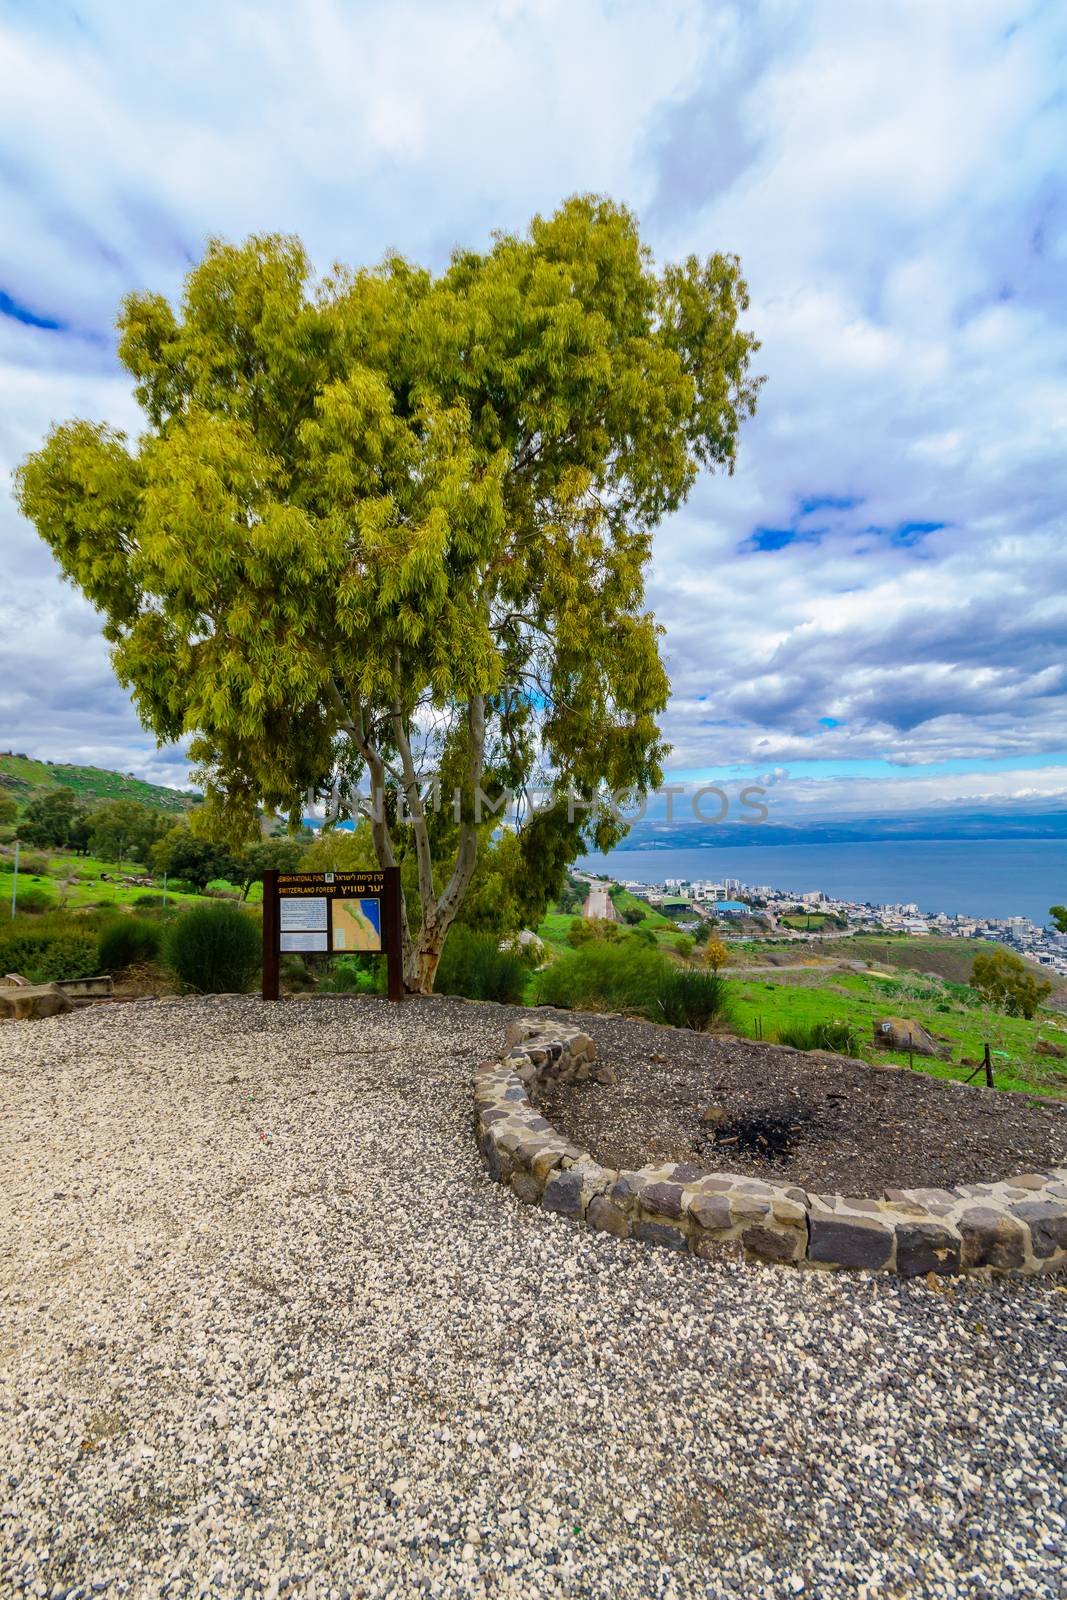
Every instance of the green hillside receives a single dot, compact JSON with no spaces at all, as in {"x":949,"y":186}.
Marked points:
{"x":23,"y":777}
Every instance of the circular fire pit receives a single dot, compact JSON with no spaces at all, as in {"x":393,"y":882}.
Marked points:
{"x":1016,"y":1225}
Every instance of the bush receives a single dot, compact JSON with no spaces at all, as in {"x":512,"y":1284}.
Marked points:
{"x":840,"y":1037}
{"x":631,"y":977}
{"x":145,"y":902}
{"x":683,"y":944}
{"x":127,"y":942}
{"x":603,"y":977}
{"x":32,"y":900}
{"x":358,"y":974}
{"x":33,"y":866}
{"x":690,"y":999}
{"x":215,"y":948}
{"x":473,"y":965}
{"x":50,"y":948}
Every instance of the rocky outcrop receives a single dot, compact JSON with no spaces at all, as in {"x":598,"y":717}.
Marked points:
{"x":1012,"y":1228}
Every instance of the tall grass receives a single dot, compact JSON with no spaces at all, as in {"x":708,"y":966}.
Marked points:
{"x":842,"y":1038}
{"x":473,"y":965}
{"x":215,"y":948}
{"x":46,"y":948}
{"x":633,"y":978}
{"x":127,"y":942}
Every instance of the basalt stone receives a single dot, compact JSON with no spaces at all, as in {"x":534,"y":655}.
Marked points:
{"x":626,"y":1188}
{"x":1047,"y":1223}
{"x":715,"y":1247}
{"x":581,"y":1044}
{"x":602,"y":1213}
{"x":604,"y":1074}
{"x":849,"y":1241}
{"x":665,"y":1198}
{"x":660,"y":1233}
{"x":498,"y":1162}
{"x":563,"y":1193}
{"x":768,"y":1245}
{"x":526,"y":1187}
{"x":926,"y":1247}
{"x":547,"y":1159}
{"x":991,"y":1239}
{"x":493,"y":1114}
{"x":711,"y":1211}
{"x":685,"y":1172}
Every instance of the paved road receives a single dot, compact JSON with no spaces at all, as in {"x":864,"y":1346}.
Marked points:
{"x":598,"y":904}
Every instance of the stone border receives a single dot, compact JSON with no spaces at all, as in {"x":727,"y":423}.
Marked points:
{"x":1017,"y":1227}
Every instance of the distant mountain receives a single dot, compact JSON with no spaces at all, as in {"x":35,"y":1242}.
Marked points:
{"x":685,"y":834}
{"x":22,"y":777}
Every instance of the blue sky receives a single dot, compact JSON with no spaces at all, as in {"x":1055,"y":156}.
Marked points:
{"x":873,"y":608}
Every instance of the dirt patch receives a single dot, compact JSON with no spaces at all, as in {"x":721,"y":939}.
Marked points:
{"x":683,"y":1096}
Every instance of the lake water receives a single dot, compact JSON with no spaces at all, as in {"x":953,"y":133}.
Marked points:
{"x":982,"y":877}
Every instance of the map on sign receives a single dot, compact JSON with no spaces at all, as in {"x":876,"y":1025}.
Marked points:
{"x":357,"y":924}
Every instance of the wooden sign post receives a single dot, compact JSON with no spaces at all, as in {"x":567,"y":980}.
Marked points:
{"x":332,"y":913}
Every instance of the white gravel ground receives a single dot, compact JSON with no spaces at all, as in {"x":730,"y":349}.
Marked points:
{"x":267,"y":1329}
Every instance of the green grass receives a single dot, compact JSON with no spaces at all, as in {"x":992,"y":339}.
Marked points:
{"x":806,"y":1000}
{"x":554,"y":926}
{"x":23,"y":776}
{"x":87,"y":888}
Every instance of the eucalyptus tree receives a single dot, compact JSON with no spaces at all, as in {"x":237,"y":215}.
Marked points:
{"x":394,"y":522}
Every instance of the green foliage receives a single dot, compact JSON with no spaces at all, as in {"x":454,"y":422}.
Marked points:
{"x":584,"y":930}
{"x":182,"y":855}
{"x":123,"y":830}
{"x":633,"y":915}
{"x":268,"y":855}
{"x":127,"y":942}
{"x":1003,"y":982}
{"x":690,"y":999}
{"x":49,"y":948}
{"x":683,"y":945}
{"x":394,"y":491}
{"x":842,"y":1038}
{"x":1058,"y":918}
{"x":643,"y":935}
{"x":215,"y":948}
{"x":716,"y":954}
{"x":474,"y":966}
{"x":33,"y":899}
{"x":8,"y":808}
{"x":54,"y":819}
{"x":341,"y":851}
{"x":353,"y":975}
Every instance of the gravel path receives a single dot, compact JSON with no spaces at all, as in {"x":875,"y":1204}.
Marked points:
{"x":267,"y":1329}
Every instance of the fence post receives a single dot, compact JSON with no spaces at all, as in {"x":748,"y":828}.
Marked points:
{"x":988,"y":1065}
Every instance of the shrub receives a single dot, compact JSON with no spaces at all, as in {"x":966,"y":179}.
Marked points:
{"x":690,"y":999}
{"x":354,"y":975}
{"x":603,"y":977}
{"x":683,"y":944}
{"x":643,"y":936}
{"x":49,"y":948}
{"x":473,"y":965}
{"x":840,"y":1037}
{"x":634,"y":914}
{"x":33,"y":866}
{"x":33,"y":900}
{"x":214,"y":948}
{"x":147,"y":902}
{"x":127,"y":942}
{"x":631,"y":977}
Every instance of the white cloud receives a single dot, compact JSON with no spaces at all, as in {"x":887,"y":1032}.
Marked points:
{"x":892,"y":177}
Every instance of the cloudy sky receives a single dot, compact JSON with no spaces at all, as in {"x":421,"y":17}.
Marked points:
{"x":873,"y":608}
